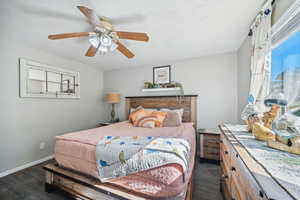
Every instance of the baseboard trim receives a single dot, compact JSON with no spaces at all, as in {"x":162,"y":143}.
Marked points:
{"x":27,"y":165}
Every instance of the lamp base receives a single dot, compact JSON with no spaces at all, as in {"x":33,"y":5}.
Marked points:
{"x":113,"y":113}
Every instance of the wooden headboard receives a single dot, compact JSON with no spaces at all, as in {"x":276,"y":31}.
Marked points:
{"x":187,"y":102}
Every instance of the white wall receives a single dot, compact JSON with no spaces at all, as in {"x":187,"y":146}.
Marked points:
{"x":213,"y":78}
{"x":243,"y":75}
{"x":25,"y":123}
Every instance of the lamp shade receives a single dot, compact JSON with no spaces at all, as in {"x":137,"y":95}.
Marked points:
{"x":112,"y":98}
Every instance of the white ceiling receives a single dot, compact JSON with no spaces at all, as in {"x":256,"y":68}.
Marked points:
{"x":178,"y":29}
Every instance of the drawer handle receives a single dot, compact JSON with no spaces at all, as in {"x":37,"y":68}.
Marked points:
{"x":224,"y":177}
{"x":226,"y":152}
{"x":261,"y":194}
{"x":237,"y":155}
{"x":233,"y":169}
{"x":221,"y":141}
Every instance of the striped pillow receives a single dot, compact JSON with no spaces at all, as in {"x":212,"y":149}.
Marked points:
{"x":149,"y":119}
{"x":146,"y":122}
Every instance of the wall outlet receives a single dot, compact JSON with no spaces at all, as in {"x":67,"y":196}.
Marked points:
{"x":42,"y":145}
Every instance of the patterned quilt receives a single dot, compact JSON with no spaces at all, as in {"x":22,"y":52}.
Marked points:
{"x":119,"y":156}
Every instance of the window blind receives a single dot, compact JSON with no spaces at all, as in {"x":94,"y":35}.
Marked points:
{"x":288,"y":24}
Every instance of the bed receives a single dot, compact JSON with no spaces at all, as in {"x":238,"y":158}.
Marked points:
{"x":76,"y":170}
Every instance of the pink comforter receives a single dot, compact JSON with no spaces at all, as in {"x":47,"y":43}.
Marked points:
{"x":77,"y":151}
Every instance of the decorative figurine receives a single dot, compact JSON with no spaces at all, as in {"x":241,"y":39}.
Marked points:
{"x":269,"y":117}
{"x":262,"y":133}
{"x":291,"y":144}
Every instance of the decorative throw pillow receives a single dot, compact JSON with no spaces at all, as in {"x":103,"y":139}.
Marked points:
{"x":146,"y":122}
{"x":179,"y":111}
{"x":160,"y":117}
{"x":172,"y":119}
{"x":133,"y":115}
{"x":149,"y":119}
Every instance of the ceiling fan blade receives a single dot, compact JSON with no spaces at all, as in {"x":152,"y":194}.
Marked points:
{"x":124,"y":50}
{"x":91,"y":51}
{"x":91,"y":15}
{"x":133,"y":36}
{"x":69,"y":35}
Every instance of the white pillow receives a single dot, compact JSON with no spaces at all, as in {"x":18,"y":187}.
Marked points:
{"x":179,"y":111}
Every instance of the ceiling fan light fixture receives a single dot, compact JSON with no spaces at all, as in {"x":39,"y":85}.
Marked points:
{"x":113,"y":46}
{"x":102,"y":50}
{"x":94,"y":41}
{"x":105,"y":40}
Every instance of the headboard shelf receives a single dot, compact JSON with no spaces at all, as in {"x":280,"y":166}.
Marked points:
{"x":187,"y":102}
{"x":158,"y":96}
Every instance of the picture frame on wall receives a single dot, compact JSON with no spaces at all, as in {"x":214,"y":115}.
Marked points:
{"x":162,"y":74}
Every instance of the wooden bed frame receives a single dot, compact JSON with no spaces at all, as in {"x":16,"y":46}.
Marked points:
{"x":83,"y":187}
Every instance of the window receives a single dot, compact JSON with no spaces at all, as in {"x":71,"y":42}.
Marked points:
{"x":285,"y":72}
{"x":44,"y":81}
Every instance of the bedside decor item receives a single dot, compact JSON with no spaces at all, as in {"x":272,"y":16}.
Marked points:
{"x":161,"y":75}
{"x":113,"y":98}
{"x":148,"y":85}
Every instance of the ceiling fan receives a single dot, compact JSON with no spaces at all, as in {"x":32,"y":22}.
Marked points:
{"x":104,"y":38}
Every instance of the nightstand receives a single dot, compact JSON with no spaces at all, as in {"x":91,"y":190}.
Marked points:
{"x":209,"y":143}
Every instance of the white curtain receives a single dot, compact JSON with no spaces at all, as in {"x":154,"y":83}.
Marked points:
{"x":261,"y":56}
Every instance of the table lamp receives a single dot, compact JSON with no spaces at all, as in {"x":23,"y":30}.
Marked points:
{"x":113,"y":98}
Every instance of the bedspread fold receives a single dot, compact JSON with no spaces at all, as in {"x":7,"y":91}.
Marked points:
{"x":119,"y":156}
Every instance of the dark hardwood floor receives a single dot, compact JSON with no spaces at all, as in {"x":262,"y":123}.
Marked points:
{"x":28,"y":184}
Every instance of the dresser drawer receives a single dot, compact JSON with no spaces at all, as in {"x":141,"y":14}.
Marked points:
{"x":243,"y":177}
{"x":210,"y":146}
{"x":225,"y":152}
{"x":236,"y":192}
{"x":226,"y":175}
{"x":211,"y":140}
{"x":225,"y":183}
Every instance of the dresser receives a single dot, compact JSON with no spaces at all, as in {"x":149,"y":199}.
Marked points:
{"x":242,"y":176}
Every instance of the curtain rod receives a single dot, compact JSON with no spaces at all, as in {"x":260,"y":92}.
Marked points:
{"x":263,"y":7}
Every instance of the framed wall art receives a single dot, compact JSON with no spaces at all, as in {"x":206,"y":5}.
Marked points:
{"x":162,"y":74}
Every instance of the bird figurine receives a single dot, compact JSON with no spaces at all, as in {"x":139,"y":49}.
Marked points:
{"x":116,"y":138}
{"x":103,"y":163}
{"x":175,"y":150}
{"x":122,"y":157}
